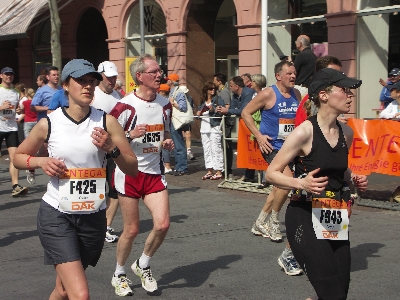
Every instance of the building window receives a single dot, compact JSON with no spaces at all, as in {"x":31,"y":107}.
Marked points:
{"x":154,"y":29}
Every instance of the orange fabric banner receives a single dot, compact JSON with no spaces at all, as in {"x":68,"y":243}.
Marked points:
{"x":248,"y":153}
{"x":376,"y":147}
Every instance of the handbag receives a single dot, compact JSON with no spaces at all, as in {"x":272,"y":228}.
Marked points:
{"x":180,"y":118}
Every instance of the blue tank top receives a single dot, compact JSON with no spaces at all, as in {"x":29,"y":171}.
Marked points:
{"x":278,"y":121}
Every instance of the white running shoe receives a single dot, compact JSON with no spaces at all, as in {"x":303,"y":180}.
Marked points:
{"x":121,"y":285}
{"x":260,"y":229}
{"x":290,"y":265}
{"x":148,"y":282}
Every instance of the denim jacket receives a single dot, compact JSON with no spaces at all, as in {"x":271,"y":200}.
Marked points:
{"x":216,"y":101}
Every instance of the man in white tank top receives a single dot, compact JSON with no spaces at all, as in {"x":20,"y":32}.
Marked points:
{"x":105,"y":98}
{"x":145,"y":117}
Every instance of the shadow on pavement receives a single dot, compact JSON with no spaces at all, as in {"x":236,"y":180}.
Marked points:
{"x":17,"y":236}
{"x":196,"y":274}
{"x":361,"y":253}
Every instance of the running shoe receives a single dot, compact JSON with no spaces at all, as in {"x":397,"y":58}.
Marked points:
{"x":148,"y":282}
{"x":110,"y":237}
{"x":274,"y":230}
{"x":289,"y":265}
{"x":31,"y":178}
{"x":260,"y":229}
{"x":121,"y":285}
{"x":19,"y":191}
{"x":190,"y":155}
{"x":166,"y":171}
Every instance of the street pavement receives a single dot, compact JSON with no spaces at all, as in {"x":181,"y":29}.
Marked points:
{"x":209,"y":252}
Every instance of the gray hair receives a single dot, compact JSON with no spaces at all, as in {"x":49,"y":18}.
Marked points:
{"x":259,"y":80}
{"x":138,"y":65}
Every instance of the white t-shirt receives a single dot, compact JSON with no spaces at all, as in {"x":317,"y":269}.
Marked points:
{"x":7,"y":116}
{"x":20,"y":105}
{"x":103,"y":101}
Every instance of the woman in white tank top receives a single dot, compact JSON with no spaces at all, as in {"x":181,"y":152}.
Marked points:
{"x":72,"y":212}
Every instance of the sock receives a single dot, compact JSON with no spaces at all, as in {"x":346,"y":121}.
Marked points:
{"x":144,"y":261}
{"x":287,"y":252}
{"x":262,"y":217}
{"x":119,"y":270}
{"x":275,"y":215}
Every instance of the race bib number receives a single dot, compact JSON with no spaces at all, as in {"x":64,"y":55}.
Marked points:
{"x":150,"y":142}
{"x":82,"y":190}
{"x":330,"y":219}
{"x":286,"y":126}
{"x":8,"y":114}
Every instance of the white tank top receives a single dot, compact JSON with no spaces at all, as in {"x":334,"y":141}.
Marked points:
{"x":71,"y":142}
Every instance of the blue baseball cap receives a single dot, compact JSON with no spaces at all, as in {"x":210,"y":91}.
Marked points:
{"x":77,"y":68}
{"x":7,"y":70}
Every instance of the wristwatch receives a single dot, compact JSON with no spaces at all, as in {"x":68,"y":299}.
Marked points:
{"x":115,"y":152}
{"x":128,"y":136}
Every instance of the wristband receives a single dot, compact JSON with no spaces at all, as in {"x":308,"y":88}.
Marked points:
{"x":27,"y":162}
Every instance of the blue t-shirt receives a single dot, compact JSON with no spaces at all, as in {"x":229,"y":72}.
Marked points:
{"x":42,"y":98}
{"x":385,"y":95}
{"x":278,"y":121}
{"x":59,"y":100}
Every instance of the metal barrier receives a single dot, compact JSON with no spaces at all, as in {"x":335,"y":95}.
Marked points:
{"x":229,"y":182}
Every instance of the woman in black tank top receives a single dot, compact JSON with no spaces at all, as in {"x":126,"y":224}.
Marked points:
{"x":319,"y":148}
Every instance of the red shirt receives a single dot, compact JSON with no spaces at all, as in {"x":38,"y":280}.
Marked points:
{"x":301,"y":114}
{"x":30,"y":116}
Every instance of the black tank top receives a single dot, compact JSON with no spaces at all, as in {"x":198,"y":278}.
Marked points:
{"x":332,"y":161}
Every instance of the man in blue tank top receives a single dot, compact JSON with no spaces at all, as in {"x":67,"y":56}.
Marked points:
{"x":278,"y":104}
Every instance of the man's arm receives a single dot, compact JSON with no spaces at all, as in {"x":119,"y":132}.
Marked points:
{"x":179,"y":102}
{"x":264,"y":100}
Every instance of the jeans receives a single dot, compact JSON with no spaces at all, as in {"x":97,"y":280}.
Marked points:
{"x":165,"y":156}
{"x":28,"y":127}
{"x":180,"y":150}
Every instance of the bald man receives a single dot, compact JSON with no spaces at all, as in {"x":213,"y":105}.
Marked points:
{"x":304,"y":64}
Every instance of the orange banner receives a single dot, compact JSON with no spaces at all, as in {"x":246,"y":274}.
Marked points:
{"x":248,"y":153}
{"x":376,"y":147}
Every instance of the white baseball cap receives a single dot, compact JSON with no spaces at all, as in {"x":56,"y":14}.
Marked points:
{"x":108,"y":68}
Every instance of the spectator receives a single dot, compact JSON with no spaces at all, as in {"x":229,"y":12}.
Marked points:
{"x":20,"y":115}
{"x":393,"y":109}
{"x":41,"y":81}
{"x":224,"y":93}
{"x":118,"y":88}
{"x":307,"y":107}
{"x":210,"y":130}
{"x":166,"y":156}
{"x":304,"y":64}
{"x":247,"y":79}
{"x":43,"y":96}
{"x":59,"y":99}
{"x":385,"y":98}
{"x":30,"y":122}
{"x":241,"y":96}
{"x":177,"y":98}
{"x":258,"y":83}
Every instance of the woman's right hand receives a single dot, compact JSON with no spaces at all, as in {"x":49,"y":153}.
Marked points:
{"x":52,"y":166}
{"x":313,"y":184}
